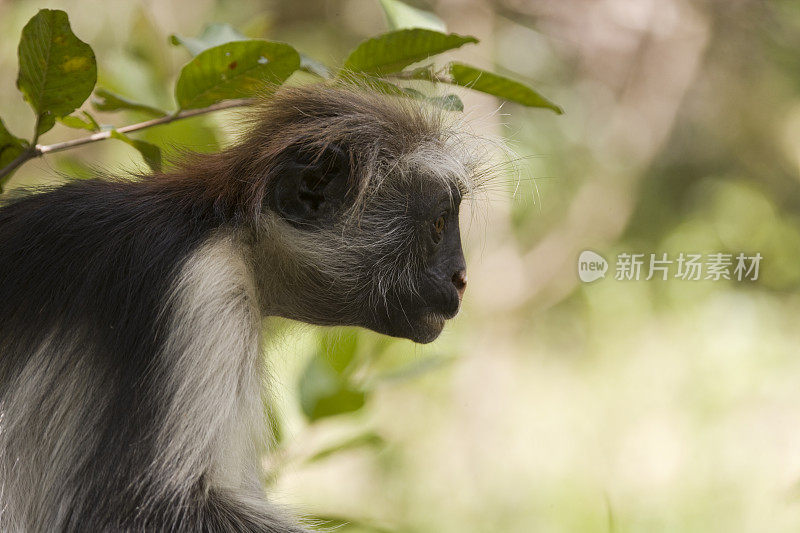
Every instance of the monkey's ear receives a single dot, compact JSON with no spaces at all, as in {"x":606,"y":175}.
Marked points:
{"x":312,"y":189}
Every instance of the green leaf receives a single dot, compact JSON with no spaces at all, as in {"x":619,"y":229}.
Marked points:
{"x":10,"y":148}
{"x":86,"y":123}
{"x":401,"y":15}
{"x":216,"y":34}
{"x":449,"y":102}
{"x":396,"y":50}
{"x":234,"y":70}
{"x":150,"y":152}
{"x":105,"y":100}
{"x":369,"y":439}
{"x":57,"y":71}
{"x":324,"y":392}
{"x":497,"y":85}
{"x":213,"y":35}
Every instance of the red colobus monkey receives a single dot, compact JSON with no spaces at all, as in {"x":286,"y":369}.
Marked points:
{"x":130,"y":309}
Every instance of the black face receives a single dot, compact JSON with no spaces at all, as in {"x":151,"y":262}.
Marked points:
{"x":426,"y":246}
{"x":440,"y":274}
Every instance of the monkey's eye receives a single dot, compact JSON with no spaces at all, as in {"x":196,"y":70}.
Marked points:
{"x":438,"y":228}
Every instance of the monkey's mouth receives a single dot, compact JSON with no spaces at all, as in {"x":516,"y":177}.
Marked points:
{"x":420,"y":321}
{"x":433,"y":322}
{"x":428,"y":328}
{"x":434,"y":319}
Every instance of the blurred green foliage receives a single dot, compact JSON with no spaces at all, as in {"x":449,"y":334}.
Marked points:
{"x":58,"y":72}
{"x":548,"y":405}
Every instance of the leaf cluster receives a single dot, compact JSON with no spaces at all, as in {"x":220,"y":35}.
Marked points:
{"x":58,"y":73}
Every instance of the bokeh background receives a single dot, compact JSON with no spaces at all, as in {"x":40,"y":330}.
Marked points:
{"x":547,"y":405}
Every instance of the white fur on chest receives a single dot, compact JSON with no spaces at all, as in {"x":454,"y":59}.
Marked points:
{"x":215,"y":416}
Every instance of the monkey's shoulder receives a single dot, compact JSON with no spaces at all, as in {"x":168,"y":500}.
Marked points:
{"x":112,"y":246}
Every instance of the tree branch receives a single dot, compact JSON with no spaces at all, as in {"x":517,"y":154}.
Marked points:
{"x":39,"y":150}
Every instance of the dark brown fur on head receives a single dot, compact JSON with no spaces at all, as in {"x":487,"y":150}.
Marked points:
{"x":378,"y":130}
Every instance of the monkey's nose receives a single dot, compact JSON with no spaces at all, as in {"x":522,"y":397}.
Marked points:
{"x":460,"y":281}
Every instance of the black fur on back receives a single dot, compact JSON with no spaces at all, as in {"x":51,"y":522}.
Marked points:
{"x":97,"y":258}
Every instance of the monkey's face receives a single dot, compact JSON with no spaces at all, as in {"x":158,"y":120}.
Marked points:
{"x":424,"y":241}
{"x":387,"y":257}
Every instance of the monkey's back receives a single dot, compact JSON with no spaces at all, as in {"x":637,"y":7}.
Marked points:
{"x":92,"y":253}
{"x":85,"y":271}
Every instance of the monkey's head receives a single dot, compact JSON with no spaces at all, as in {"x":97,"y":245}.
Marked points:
{"x":357,"y":209}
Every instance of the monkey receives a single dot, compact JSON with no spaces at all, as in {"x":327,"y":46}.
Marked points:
{"x":131,"y":308}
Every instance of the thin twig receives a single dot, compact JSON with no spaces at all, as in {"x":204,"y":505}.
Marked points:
{"x":39,"y":150}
